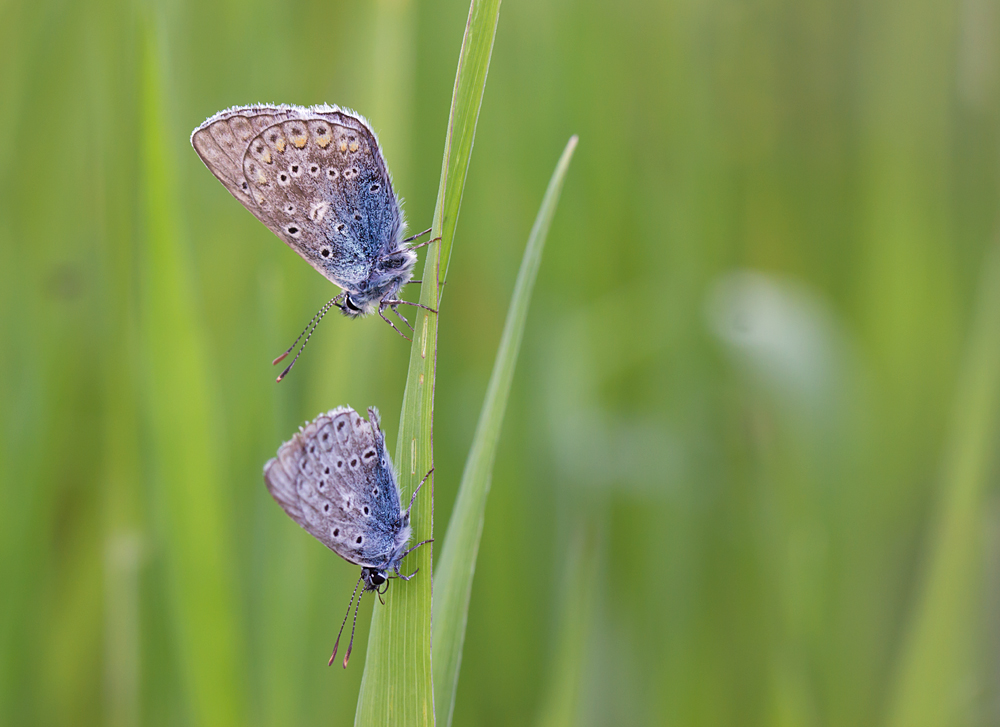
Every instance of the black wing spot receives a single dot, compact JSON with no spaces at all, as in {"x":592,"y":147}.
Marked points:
{"x":357,"y":216}
{"x":325,"y":252}
{"x":354,"y":462}
{"x":293,"y":230}
{"x":326,"y":471}
{"x":358,"y":541}
{"x":366,"y":509}
{"x":374,"y":188}
{"x":336,"y":532}
{"x":340,"y":463}
{"x":326,"y":507}
{"x":374,"y":492}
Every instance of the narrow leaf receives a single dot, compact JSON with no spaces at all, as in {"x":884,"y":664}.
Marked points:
{"x":457,"y":565}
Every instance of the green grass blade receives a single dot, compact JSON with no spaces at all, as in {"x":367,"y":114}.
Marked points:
{"x":467,"y":98}
{"x":940,"y":652}
{"x":397,"y":686}
{"x":457,"y":565}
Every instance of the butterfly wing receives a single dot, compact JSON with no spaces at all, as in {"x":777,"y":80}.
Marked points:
{"x":314,"y":176}
{"x":334,"y":478}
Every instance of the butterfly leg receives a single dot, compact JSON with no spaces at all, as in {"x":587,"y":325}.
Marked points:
{"x":395,"y":309}
{"x":382,"y":315}
{"x":415,"y":497}
{"x":424,"y":244}
{"x":406,"y":578}
{"x":406,"y":302}
{"x":419,"y":234}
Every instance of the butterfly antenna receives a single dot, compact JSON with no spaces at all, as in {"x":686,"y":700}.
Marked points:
{"x":343,"y":623}
{"x":312,"y":321}
{"x":353,"y":625}
{"x":307,"y":332}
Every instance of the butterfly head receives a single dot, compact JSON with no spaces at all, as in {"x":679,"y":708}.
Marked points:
{"x":373,"y":578}
{"x":386,"y":277}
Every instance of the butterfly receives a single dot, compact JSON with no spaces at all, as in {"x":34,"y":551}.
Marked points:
{"x":317,"y":179}
{"x":335,"y":479}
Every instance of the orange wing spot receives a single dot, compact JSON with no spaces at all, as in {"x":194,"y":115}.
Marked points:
{"x":266,"y":156}
{"x":343,"y":146}
{"x":299,"y":141}
{"x":280,"y":145}
{"x":261,"y":179}
{"x":353,"y":146}
{"x":323,"y":141}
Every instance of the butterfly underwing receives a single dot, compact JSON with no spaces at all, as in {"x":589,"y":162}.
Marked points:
{"x":316,"y":177}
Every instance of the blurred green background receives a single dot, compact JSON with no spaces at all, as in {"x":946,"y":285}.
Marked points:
{"x":748,"y":472}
